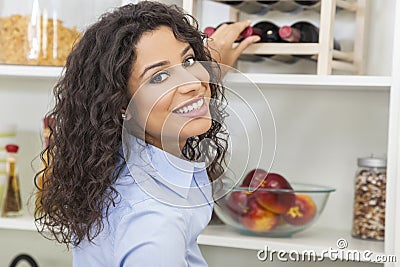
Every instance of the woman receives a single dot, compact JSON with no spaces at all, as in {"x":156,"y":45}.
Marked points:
{"x":96,"y":195}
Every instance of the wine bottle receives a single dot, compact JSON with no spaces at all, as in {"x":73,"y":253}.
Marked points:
{"x":306,"y":3}
{"x":285,"y":6}
{"x":268,"y":32}
{"x":302,"y":32}
{"x":250,"y":7}
{"x":309,"y":4}
{"x":248,"y":31}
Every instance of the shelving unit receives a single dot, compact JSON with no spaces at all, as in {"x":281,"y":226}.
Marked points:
{"x":327,"y":58}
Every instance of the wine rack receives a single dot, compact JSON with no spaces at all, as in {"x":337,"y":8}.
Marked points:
{"x":326,"y":57}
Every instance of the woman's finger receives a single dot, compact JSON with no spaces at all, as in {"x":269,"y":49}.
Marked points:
{"x":246,"y":43}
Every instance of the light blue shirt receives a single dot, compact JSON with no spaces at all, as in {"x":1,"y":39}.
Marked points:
{"x":165,"y":202}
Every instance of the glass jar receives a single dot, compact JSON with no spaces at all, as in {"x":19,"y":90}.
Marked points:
{"x":370,"y":199}
{"x":42,"y":32}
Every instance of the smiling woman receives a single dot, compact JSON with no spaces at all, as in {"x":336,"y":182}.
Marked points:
{"x":171,"y":103}
{"x":138,"y":70}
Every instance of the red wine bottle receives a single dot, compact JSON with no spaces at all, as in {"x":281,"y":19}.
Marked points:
{"x":302,"y":32}
{"x":268,"y":31}
{"x":248,"y":31}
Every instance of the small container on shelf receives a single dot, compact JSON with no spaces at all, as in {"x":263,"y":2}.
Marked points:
{"x":37,"y":32}
{"x":370,"y":199}
{"x":12,"y":203}
{"x":3,"y":181}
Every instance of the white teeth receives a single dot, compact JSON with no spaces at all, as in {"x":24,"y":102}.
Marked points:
{"x":191,"y":107}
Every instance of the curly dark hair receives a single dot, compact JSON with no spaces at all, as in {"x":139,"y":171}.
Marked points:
{"x":85,"y":161}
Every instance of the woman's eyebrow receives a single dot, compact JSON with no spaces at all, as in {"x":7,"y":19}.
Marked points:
{"x":184,"y":51}
{"x":163,"y":63}
{"x":155,"y":65}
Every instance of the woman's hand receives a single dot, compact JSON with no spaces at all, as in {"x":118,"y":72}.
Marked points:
{"x":220,"y":43}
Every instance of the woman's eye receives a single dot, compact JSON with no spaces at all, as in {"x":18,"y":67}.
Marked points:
{"x":159,"y":77}
{"x":188,"y":62}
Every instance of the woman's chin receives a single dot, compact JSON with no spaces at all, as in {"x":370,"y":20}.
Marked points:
{"x":194,"y":128}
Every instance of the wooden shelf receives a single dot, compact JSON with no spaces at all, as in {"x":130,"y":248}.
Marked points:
{"x":293,"y":80}
{"x":325,"y":82}
{"x":38,"y":72}
{"x":315,"y":239}
{"x":282,"y":49}
{"x":327,"y":58}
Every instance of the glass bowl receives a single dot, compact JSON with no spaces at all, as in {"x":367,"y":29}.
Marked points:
{"x":272,"y":212}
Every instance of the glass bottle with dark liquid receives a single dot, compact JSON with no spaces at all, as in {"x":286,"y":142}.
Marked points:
{"x":12,"y":204}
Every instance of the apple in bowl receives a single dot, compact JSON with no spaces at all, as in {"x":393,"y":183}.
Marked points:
{"x":272,"y":191}
{"x":257,"y":219}
{"x":302,"y":212}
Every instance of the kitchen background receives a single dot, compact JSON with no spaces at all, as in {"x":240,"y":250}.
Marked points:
{"x":323,"y":123}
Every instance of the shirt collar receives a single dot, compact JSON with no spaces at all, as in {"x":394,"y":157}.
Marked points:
{"x":174,"y":173}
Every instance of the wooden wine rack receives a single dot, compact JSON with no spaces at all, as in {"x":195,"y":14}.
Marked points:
{"x":327,"y":58}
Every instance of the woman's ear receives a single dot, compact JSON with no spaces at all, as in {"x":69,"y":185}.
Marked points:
{"x":125,"y":114}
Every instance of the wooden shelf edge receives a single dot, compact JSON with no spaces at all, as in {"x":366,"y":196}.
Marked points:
{"x":356,"y":81}
{"x":30,"y":71}
{"x":282,"y":49}
{"x":18,"y":223}
{"x":316,"y":239}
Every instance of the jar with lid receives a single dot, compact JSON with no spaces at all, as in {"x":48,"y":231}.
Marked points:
{"x":43,"y":32}
{"x":370,"y":199}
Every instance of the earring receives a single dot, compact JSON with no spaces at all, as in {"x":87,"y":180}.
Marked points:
{"x":123,"y":116}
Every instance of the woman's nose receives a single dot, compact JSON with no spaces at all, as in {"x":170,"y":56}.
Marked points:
{"x":189,"y":87}
{"x":189,"y":80}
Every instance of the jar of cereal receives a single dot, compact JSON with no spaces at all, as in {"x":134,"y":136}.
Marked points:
{"x":370,"y":199}
{"x":43,"y":32}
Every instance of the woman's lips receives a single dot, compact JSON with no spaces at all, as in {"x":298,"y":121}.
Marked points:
{"x":193,"y":108}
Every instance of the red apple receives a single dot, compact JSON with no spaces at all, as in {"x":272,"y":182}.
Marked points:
{"x":257,"y":219}
{"x":277,"y":202}
{"x":302,"y":212}
{"x":237,"y":201}
{"x":255,"y":176}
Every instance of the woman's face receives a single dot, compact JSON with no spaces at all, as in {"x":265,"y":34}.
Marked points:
{"x":170,"y":90}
